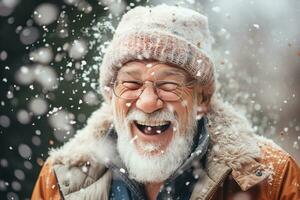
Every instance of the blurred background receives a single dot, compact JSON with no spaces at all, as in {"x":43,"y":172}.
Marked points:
{"x":50,"y":52}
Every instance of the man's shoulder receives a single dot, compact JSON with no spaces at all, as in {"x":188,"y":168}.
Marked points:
{"x":73,"y":178}
{"x":275,"y":158}
{"x":273,"y":155}
{"x":47,"y":172}
{"x":284,"y":172}
{"x":46,"y":186}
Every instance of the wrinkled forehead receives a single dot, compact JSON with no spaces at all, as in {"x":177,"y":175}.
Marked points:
{"x":159,"y":69}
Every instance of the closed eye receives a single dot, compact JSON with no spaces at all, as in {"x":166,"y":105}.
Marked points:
{"x":167,"y":86}
{"x":132,"y":85}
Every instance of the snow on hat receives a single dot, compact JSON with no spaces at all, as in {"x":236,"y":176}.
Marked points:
{"x":169,"y":34}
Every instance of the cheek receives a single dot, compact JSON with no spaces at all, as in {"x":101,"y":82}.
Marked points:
{"x":183,"y":110}
{"x":121,"y":107}
{"x":183,"y":118}
{"x":181,"y":114}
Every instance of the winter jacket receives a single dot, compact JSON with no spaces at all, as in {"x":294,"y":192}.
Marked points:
{"x":238,"y":164}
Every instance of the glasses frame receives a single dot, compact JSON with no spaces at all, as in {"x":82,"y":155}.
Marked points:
{"x":154,"y":85}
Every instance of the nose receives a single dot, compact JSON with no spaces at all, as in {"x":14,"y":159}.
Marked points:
{"x":148,"y":101}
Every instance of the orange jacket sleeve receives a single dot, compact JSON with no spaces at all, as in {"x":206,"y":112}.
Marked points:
{"x":46,"y":187}
{"x":289,"y":181}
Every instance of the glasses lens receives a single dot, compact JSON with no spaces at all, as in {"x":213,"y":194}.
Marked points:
{"x":168,"y":90}
{"x":126,"y":91}
{"x":168,"y":95}
{"x":131,"y":90}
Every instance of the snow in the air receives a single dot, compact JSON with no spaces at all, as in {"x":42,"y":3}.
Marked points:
{"x":52,"y":89}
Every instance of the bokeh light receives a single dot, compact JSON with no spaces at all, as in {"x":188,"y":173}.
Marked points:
{"x":45,"y":14}
{"x":50,"y":54}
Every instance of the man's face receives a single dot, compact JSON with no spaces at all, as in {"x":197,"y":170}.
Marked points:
{"x":154,"y":116}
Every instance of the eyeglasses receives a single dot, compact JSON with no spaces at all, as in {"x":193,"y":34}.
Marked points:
{"x":165,"y":90}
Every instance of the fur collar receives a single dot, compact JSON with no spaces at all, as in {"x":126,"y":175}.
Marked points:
{"x":233,"y":141}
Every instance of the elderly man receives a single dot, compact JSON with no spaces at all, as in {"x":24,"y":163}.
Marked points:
{"x":160,"y":134}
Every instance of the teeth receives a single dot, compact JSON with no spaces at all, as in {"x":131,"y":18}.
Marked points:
{"x":154,"y":123}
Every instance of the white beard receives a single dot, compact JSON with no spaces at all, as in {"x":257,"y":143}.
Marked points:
{"x":153,"y":168}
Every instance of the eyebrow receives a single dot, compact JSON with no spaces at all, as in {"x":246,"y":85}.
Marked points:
{"x":171,"y":72}
{"x":175,"y":72}
{"x":131,"y":72}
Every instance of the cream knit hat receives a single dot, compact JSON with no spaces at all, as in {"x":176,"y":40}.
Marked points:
{"x":169,"y":34}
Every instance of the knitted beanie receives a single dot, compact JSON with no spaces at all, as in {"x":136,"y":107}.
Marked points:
{"x":169,"y":34}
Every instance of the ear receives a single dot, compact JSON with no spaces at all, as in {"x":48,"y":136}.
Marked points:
{"x":203,"y":101}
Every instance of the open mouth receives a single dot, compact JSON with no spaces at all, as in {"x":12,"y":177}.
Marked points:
{"x":154,"y":128}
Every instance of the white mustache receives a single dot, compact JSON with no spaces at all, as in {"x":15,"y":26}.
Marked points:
{"x":162,"y":115}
